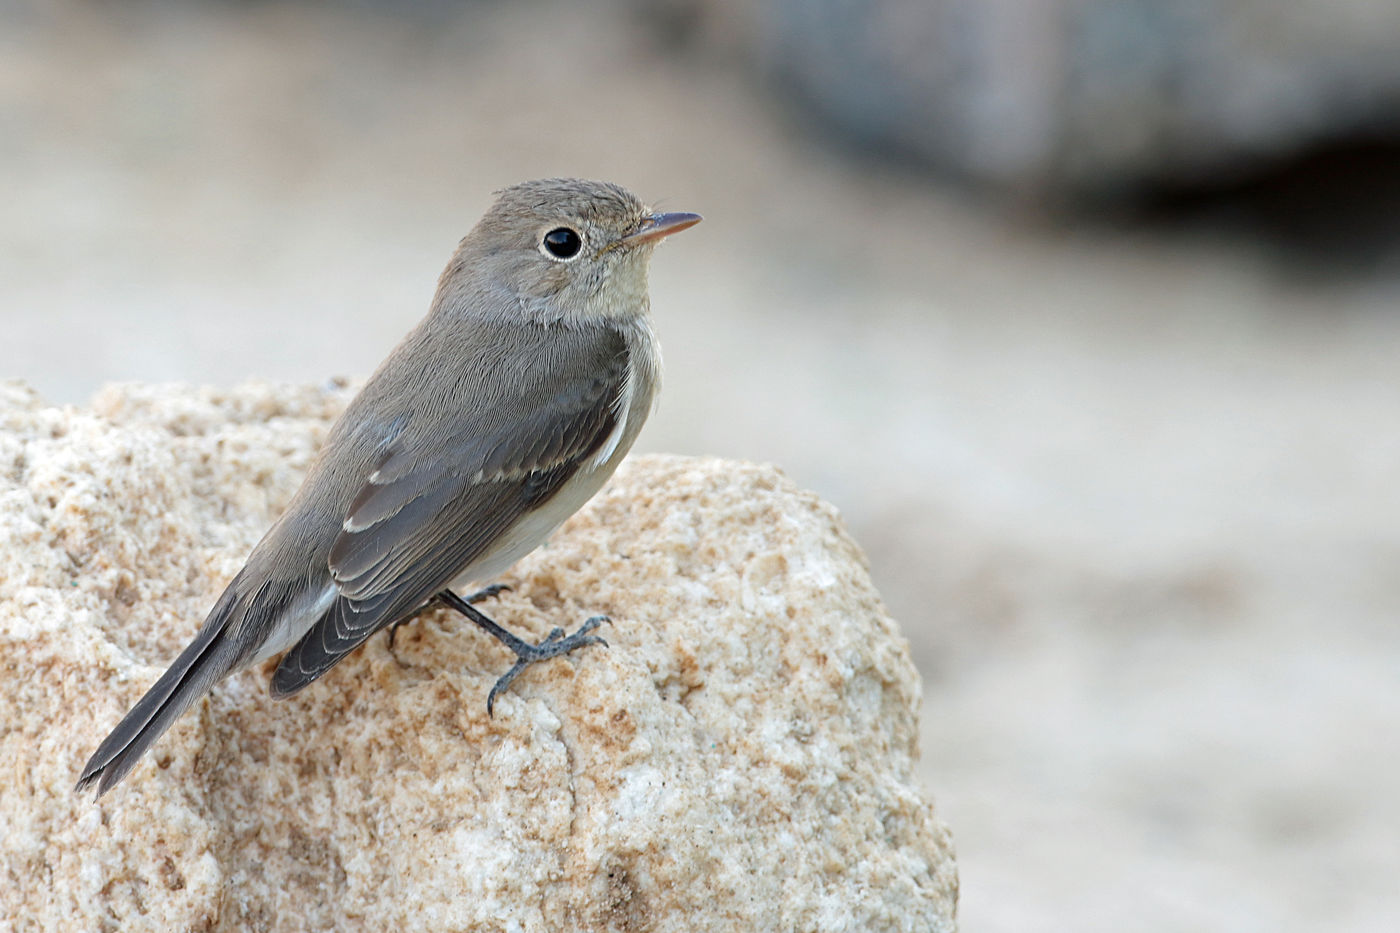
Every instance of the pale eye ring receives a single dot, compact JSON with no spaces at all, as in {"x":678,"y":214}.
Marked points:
{"x":562,"y":244}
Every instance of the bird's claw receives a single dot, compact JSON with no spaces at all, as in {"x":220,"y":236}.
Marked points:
{"x":552,"y":646}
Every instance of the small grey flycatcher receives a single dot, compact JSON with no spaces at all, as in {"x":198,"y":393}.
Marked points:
{"x":493,"y":421}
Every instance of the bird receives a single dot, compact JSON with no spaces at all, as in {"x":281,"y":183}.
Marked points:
{"x":496,"y":418}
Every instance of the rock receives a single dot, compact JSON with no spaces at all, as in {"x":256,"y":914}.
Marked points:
{"x":740,"y":758}
{"x":1071,"y":98}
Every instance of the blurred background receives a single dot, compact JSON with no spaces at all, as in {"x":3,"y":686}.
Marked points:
{"x":1086,"y":313}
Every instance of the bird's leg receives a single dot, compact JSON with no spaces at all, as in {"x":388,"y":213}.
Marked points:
{"x":494,"y":589}
{"x":553,"y":645}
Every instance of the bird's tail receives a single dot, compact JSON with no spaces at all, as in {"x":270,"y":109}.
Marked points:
{"x":207,"y":659}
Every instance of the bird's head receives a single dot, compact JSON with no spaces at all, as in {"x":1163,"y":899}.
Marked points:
{"x":559,"y":249}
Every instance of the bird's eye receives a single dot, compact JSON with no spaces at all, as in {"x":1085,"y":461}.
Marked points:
{"x":562,"y":243}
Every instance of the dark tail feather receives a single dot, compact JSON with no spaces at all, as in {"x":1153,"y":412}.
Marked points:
{"x":321,"y":648}
{"x":207,"y":659}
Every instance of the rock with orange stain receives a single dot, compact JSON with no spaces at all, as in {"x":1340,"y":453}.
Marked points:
{"x":741,"y":758}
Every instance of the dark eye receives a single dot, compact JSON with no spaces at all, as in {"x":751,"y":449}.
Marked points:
{"x":562,"y":243}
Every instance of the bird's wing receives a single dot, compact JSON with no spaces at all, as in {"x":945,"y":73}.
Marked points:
{"x":438,"y":502}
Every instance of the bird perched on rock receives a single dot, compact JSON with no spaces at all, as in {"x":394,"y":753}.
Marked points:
{"x":493,"y":421}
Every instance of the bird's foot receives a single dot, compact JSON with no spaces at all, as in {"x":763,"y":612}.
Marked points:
{"x":554,"y":644}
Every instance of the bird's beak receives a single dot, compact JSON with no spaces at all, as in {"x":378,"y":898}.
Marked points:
{"x":656,"y":226}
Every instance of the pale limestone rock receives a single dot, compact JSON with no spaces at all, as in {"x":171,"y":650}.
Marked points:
{"x":739,"y":759}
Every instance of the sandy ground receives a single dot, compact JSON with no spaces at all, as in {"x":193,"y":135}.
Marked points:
{"x":1133,"y":500}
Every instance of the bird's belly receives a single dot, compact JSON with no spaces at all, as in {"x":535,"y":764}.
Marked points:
{"x":531,"y":530}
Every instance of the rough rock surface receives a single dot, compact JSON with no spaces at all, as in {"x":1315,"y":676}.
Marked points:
{"x":739,"y":759}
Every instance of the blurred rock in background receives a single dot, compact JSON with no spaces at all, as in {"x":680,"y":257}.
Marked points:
{"x":1280,"y":119}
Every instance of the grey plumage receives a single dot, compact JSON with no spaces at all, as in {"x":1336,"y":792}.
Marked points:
{"x":435,"y":502}
{"x":494,"y":420}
